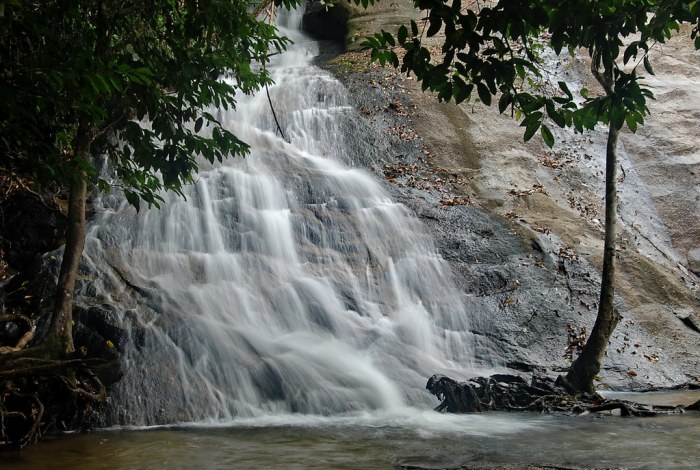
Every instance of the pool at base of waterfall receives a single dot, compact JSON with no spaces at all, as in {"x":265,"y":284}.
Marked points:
{"x":410,"y":438}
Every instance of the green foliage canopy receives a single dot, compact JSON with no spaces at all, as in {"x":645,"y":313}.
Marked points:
{"x":131,"y":79}
{"x":495,"y":50}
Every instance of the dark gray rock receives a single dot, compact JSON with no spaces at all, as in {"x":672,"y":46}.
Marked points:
{"x":324,"y":23}
{"x":30,"y":227}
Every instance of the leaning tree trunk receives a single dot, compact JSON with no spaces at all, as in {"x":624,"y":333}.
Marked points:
{"x":61,"y":329}
{"x":584,"y":369}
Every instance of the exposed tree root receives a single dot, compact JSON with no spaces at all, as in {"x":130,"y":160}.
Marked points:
{"x":502,"y":392}
{"x":26,"y":337}
{"x":21,"y":416}
{"x":39,"y":394}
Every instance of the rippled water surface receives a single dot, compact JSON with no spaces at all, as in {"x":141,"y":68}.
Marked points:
{"x":381,"y":441}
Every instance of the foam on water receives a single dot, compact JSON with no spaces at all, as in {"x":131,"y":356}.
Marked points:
{"x":426,"y":424}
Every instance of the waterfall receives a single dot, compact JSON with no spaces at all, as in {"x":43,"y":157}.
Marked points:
{"x":284,"y":282}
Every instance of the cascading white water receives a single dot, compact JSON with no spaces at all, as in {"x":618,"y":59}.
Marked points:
{"x":287,"y":281}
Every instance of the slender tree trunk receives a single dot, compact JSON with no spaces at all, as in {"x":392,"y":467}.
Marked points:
{"x":587,"y":365}
{"x":61,"y":329}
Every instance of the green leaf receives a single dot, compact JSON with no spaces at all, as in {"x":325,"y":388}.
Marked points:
{"x":461,"y":90}
{"x":533,"y":105}
{"x":504,"y":102}
{"x":198,"y":124}
{"x":547,"y":136}
{"x":484,"y":93}
{"x":555,"y":116}
{"x":531,"y":118}
{"x":631,"y":123}
{"x":531,"y":130}
{"x":133,"y":199}
{"x":389,"y":38}
{"x":435,"y":25}
{"x":104,"y":86}
{"x":402,"y":34}
{"x":414,"y":28}
{"x":618,"y":117}
{"x":116,"y":84}
{"x":445,"y":93}
{"x":565,"y":88}
{"x":647,"y":65}
{"x":393,"y":59}
{"x":630,"y":52}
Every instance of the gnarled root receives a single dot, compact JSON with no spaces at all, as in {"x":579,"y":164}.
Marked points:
{"x":20,"y":418}
{"x":503,"y":392}
{"x":40,"y":394}
{"x":26,"y":337}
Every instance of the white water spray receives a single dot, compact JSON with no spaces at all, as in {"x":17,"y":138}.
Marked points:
{"x":286,"y":282}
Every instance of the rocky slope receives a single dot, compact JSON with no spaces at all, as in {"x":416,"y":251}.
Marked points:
{"x":521,"y":224}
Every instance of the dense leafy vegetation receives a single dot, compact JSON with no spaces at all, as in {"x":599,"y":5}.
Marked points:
{"x":90,"y":74}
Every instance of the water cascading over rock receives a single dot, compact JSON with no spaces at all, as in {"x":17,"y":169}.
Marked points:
{"x":287,"y":281}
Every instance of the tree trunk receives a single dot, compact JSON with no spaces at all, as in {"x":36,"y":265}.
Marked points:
{"x":61,"y":329}
{"x":587,"y":365}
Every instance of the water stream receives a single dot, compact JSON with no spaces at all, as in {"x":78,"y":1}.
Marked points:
{"x":285,"y":282}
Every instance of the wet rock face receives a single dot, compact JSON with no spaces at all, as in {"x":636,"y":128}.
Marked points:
{"x":30,"y":227}
{"x":100,"y":331}
{"x":533,"y":278}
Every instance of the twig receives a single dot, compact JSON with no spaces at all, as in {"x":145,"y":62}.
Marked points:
{"x":34,"y":432}
{"x":274,"y":115}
